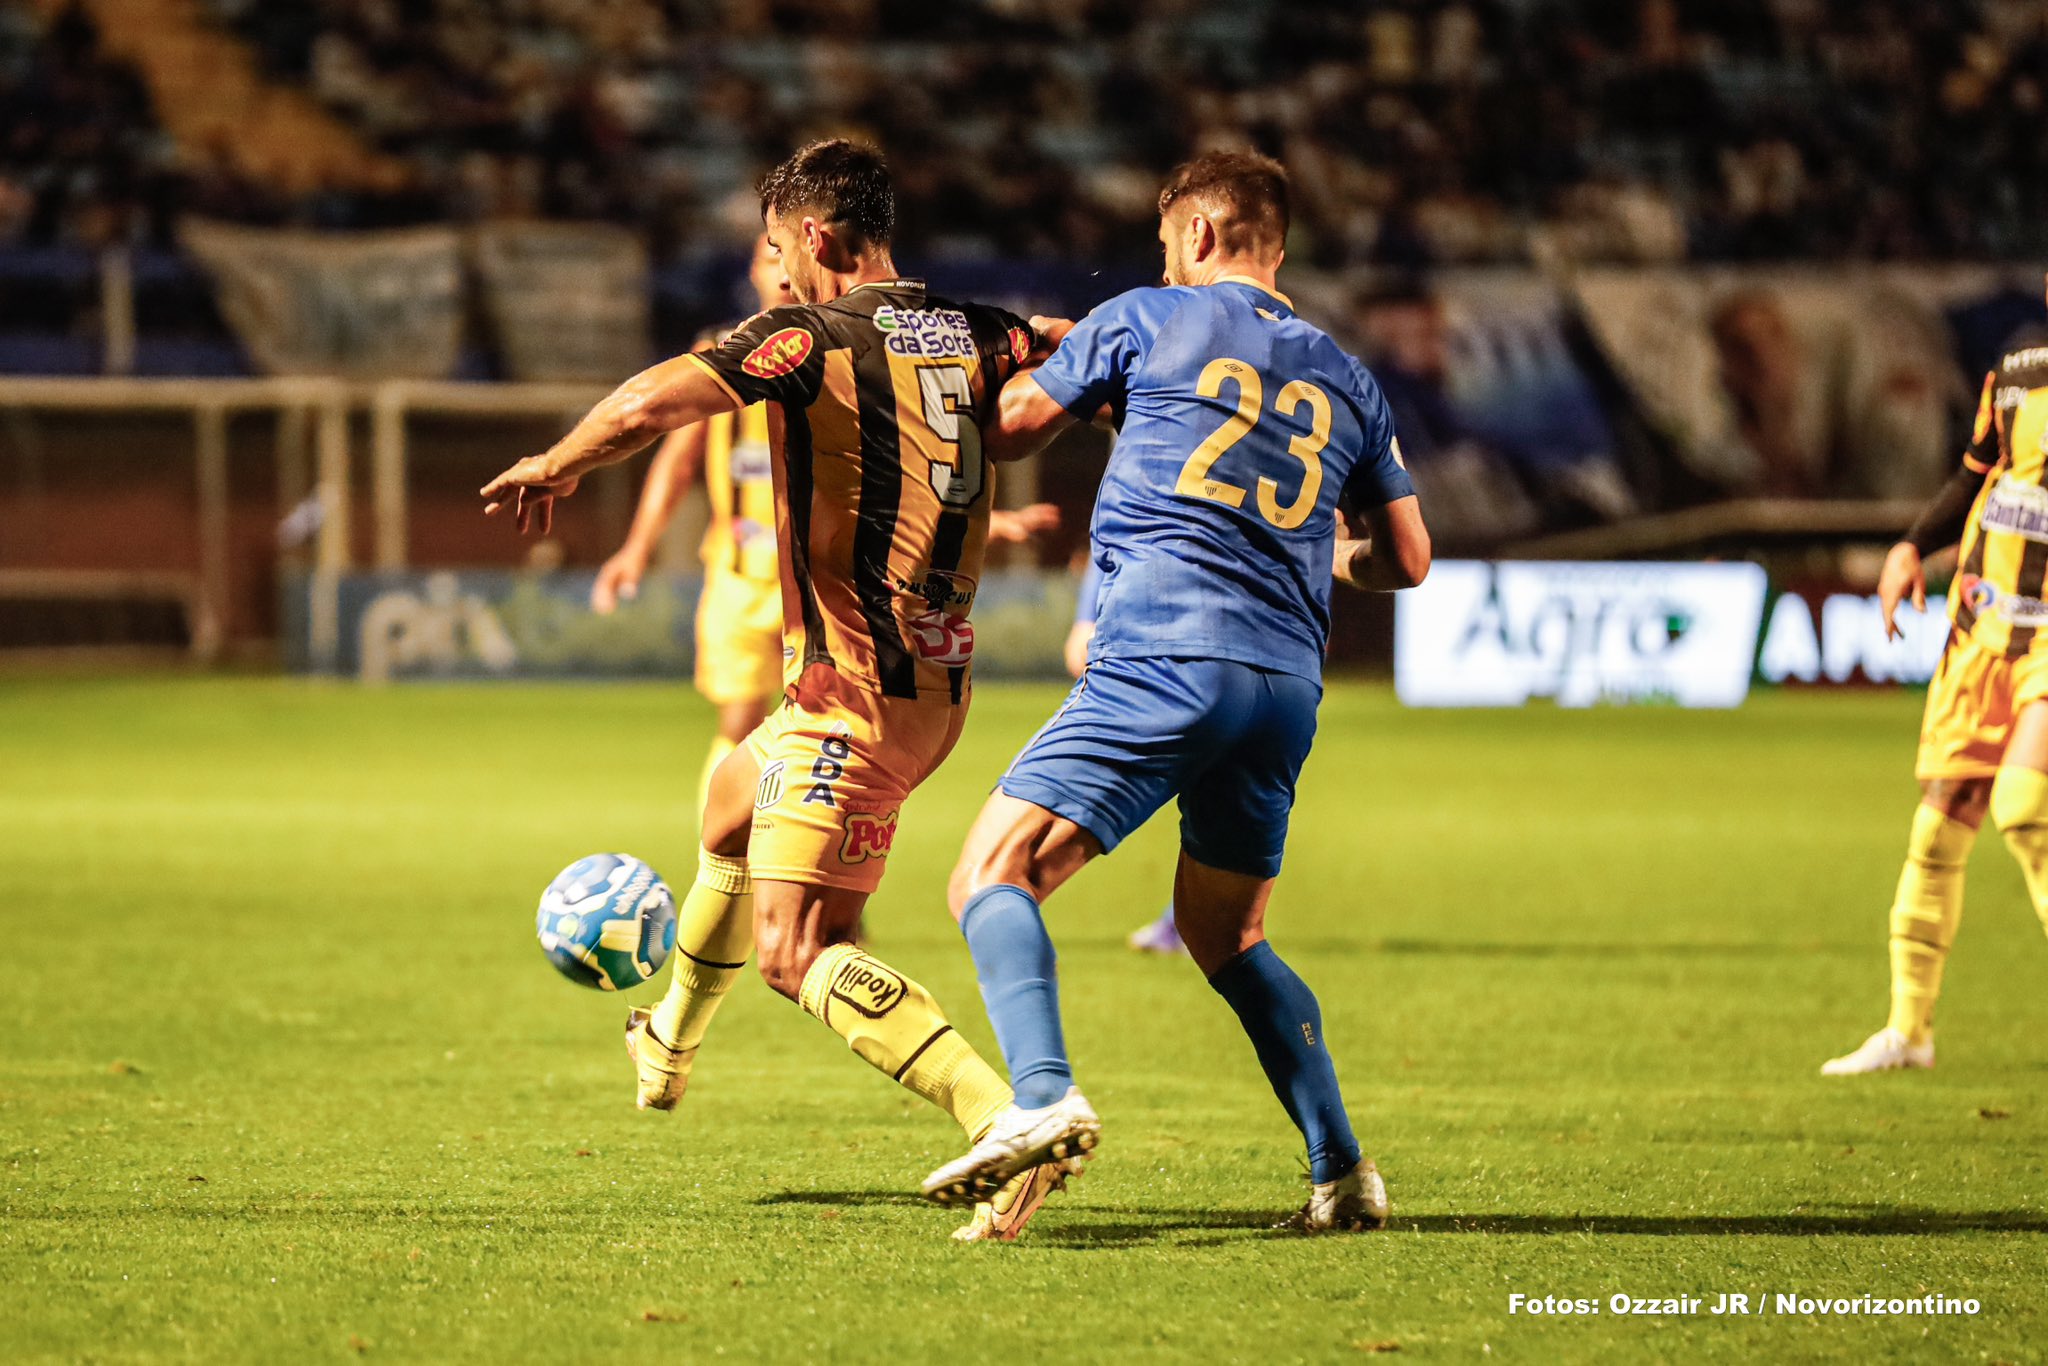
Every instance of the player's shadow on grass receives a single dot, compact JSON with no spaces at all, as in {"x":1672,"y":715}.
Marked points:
{"x":1081,"y":1227}
{"x":1835,"y":1221}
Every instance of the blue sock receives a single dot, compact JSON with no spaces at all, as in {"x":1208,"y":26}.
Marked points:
{"x":1019,"y":975}
{"x":1285,"y":1025}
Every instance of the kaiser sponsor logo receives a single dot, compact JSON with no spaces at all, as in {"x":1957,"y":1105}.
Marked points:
{"x":867,"y":836}
{"x":868,"y":987}
{"x":779,"y":354}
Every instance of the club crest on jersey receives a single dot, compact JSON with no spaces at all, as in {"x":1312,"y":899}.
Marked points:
{"x":770,"y":790}
{"x":1976,"y":593}
{"x":868,"y":987}
{"x":867,"y":836}
{"x":779,"y":354}
{"x":926,"y":333}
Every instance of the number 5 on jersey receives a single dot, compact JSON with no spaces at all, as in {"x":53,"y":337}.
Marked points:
{"x":1196,"y":481}
{"x":948,"y":411}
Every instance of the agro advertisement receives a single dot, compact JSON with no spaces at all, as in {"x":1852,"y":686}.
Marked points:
{"x":1480,"y":634}
{"x":1695,"y":635}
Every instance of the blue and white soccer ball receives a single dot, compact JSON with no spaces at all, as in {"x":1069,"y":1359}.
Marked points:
{"x":607,"y":921}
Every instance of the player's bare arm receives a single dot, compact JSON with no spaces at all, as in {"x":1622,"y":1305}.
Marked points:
{"x":675,"y":467}
{"x":1382,"y":549}
{"x":659,"y":399}
{"x":1027,"y":419}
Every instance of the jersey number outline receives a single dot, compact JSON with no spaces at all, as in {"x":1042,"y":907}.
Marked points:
{"x":1195,"y":480}
{"x":948,"y":399}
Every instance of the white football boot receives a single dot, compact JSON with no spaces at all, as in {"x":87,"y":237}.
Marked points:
{"x":1353,"y":1203}
{"x":664,"y":1072}
{"x":1002,"y":1217}
{"x":1067,"y":1128}
{"x":1885,"y":1051}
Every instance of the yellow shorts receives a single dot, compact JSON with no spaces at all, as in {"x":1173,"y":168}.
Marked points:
{"x":739,"y":638}
{"x":836,"y":763}
{"x":1971,"y":704}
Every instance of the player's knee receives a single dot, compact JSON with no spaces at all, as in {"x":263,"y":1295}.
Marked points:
{"x":1960,"y":799}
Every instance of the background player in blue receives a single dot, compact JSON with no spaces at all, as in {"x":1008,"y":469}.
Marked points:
{"x":1246,"y":438}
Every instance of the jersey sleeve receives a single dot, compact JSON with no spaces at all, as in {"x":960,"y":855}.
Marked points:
{"x":1096,"y":361}
{"x":1380,"y":477}
{"x":1983,"y":451}
{"x":777,"y":356}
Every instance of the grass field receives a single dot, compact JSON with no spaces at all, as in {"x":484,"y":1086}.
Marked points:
{"x":283,"y":1075}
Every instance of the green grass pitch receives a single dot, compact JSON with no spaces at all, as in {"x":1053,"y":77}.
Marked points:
{"x":284,"y":1076}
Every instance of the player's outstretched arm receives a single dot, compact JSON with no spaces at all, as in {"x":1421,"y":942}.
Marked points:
{"x":661,"y":398}
{"x":1027,"y":419}
{"x":677,"y":462}
{"x":1382,"y":549}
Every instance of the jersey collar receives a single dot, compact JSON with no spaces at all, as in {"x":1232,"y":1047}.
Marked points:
{"x":1248,"y":280}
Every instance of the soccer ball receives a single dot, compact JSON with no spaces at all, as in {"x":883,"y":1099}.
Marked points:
{"x":608,"y":922}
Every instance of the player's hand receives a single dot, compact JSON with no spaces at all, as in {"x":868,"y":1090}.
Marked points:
{"x":618,"y":578}
{"x":529,"y":488}
{"x":1902,"y":578}
{"x":1019,"y":525}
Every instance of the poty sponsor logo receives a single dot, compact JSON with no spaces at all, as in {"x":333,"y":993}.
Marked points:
{"x":867,"y":836}
{"x":925,"y":333}
{"x":779,"y":354}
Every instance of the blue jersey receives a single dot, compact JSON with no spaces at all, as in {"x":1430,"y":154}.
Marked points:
{"x":1240,"y":427}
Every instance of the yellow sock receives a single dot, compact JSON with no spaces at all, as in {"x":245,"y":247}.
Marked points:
{"x":2019,"y":807}
{"x":898,"y":1028}
{"x":720,"y":747}
{"x":1924,"y":916}
{"x":714,"y":935}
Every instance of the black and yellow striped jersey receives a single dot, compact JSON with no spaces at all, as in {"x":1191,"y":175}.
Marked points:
{"x":882,"y":492}
{"x":2000,"y":599}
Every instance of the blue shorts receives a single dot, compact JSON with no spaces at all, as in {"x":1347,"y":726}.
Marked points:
{"x":1228,"y":739}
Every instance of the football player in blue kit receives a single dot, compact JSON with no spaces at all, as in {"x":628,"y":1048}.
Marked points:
{"x":1254,"y":458}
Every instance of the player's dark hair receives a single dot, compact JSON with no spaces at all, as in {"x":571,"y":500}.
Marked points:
{"x":1243,"y":193}
{"x":840,"y":181}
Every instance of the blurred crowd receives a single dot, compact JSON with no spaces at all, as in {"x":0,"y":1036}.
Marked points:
{"x":1421,"y":132}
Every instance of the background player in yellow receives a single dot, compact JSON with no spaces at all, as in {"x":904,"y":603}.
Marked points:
{"x":739,"y":610}
{"x":882,"y":502}
{"x":1984,"y":737}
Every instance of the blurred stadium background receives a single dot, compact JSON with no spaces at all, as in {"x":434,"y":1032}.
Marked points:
{"x":1683,"y":307}
{"x":1644,"y":279}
